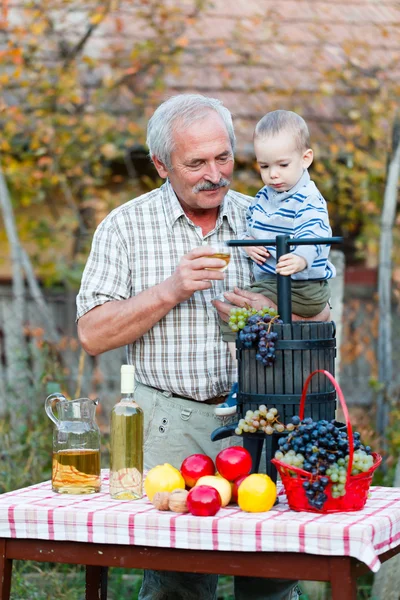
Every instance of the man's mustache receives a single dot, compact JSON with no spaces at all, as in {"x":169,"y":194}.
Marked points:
{"x":210,"y":186}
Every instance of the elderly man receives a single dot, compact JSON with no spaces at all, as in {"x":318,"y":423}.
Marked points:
{"x":148,"y":285}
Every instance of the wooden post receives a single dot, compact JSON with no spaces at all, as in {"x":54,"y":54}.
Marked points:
{"x":5,"y":572}
{"x":385,"y":289}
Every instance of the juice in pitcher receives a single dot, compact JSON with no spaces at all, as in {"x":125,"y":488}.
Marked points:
{"x":76,"y":471}
{"x":76,"y":445}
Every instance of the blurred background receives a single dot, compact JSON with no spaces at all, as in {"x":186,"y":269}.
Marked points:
{"x":78,"y":83}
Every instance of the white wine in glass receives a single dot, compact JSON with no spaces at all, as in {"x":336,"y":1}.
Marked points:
{"x":226,"y":256}
{"x":223,"y":252}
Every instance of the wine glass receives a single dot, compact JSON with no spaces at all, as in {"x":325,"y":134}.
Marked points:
{"x":223,"y":252}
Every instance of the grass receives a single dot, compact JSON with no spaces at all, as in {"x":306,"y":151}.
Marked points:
{"x":46,"y":581}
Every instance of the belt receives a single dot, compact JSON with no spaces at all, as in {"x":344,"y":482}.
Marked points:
{"x":216,"y":400}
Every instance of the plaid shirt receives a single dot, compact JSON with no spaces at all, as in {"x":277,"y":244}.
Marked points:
{"x":138,"y":246}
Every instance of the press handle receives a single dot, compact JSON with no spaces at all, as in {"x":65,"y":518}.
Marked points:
{"x":48,"y":405}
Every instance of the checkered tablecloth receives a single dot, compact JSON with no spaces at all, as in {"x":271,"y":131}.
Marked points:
{"x":36,"y":512}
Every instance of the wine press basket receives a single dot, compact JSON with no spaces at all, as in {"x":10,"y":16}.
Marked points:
{"x":356,"y":487}
{"x":301,"y":348}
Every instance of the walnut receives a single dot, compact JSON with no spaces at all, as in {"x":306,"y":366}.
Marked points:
{"x":160,"y":500}
{"x":177,"y":501}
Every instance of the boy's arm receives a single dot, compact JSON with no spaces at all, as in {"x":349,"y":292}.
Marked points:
{"x":311,"y":221}
{"x":257,"y":253}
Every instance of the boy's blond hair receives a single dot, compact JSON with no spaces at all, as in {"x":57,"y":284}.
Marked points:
{"x":284,"y":120}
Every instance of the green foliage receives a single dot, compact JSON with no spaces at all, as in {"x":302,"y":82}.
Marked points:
{"x":26,"y":449}
{"x":60,"y":139}
{"x":47,"y":581}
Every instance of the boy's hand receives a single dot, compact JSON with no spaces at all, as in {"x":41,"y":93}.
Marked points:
{"x":258,"y":253}
{"x":289,"y":264}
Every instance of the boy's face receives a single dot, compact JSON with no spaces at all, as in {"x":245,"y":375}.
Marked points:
{"x":281,"y":162}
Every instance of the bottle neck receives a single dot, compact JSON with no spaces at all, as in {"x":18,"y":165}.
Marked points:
{"x":127,"y":396}
{"x":127,"y":380}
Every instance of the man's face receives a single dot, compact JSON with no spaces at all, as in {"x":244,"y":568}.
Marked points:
{"x":281,"y":162}
{"x":202,"y":159}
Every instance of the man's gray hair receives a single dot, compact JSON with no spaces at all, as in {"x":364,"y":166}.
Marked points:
{"x":284,"y":120}
{"x":182,"y":110}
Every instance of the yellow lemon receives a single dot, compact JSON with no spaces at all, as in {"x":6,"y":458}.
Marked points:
{"x":163,"y":478}
{"x":257,"y":493}
{"x":222,"y":486}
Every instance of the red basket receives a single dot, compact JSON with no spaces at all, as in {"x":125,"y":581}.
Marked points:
{"x":357,"y":486}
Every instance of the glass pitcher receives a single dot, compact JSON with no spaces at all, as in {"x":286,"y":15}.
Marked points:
{"x":76,"y":445}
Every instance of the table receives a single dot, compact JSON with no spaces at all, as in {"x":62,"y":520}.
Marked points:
{"x":96,"y":531}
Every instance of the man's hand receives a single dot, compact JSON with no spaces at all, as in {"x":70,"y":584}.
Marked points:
{"x":242,"y":298}
{"x":258,"y":253}
{"x":289,"y":264}
{"x":193,"y":274}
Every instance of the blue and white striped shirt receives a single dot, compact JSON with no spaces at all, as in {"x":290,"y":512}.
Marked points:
{"x":301,"y":213}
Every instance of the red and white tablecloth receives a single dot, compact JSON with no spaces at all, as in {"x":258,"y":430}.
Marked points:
{"x":36,"y":512}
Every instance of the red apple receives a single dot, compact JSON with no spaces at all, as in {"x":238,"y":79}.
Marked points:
{"x":196,"y":466}
{"x":233,"y":462}
{"x":203,"y":501}
{"x":235,"y":487}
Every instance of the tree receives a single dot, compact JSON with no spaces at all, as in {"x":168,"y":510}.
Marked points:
{"x":59,"y":134}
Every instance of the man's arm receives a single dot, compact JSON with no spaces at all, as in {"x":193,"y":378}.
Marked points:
{"x":120,"y":322}
{"x":242,"y":298}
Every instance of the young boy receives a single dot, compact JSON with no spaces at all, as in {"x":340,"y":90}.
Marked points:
{"x":289,"y":203}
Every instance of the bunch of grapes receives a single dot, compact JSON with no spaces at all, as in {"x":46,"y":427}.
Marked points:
{"x":263,"y":419}
{"x":322,"y":449}
{"x":255,"y":326}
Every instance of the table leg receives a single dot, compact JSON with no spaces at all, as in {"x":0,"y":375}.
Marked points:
{"x":96,"y":583}
{"x":5,"y":572}
{"x":343,"y":581}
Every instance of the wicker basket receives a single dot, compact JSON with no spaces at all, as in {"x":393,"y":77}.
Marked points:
{"x":357,"y":486}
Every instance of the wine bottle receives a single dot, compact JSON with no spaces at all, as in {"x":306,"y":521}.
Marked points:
{"x":126,"y":443}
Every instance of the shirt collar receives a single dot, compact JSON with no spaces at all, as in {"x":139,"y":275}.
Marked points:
{"x":227,"y":211}
{"x":173,"y":208}
{"x":274,"y":195}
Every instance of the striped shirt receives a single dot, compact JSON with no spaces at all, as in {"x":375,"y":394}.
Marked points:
{"x":301,"y":213}
{"x":139,"y":245}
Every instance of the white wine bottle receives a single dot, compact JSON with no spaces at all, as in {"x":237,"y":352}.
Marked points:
{"x":126,"y":443}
